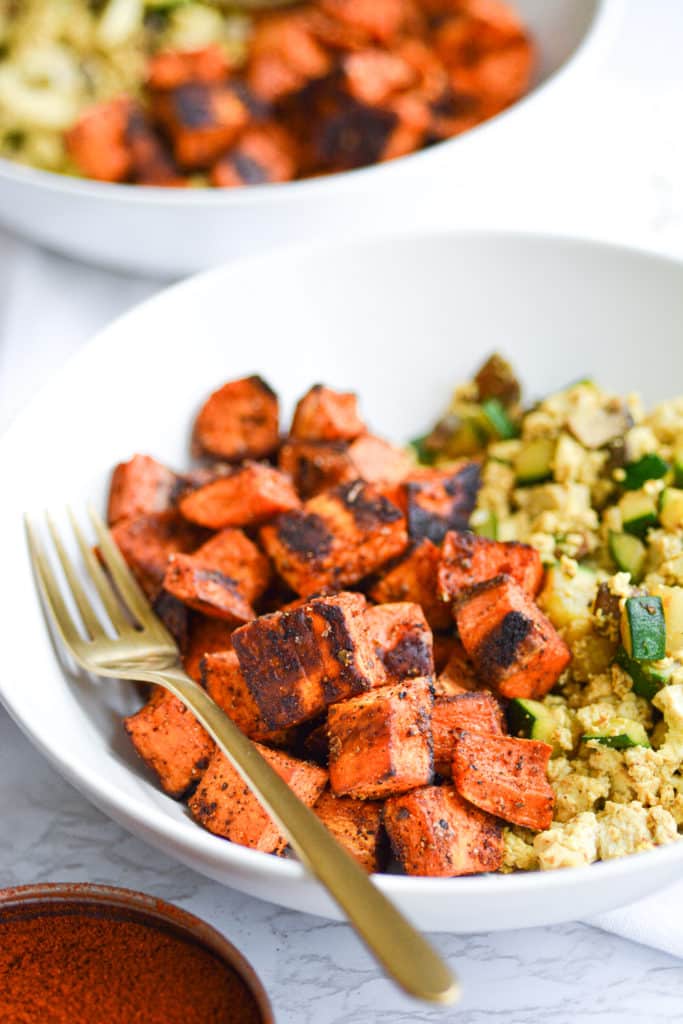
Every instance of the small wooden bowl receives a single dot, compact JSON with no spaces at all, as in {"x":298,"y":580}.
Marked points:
{"x":128,"y":905}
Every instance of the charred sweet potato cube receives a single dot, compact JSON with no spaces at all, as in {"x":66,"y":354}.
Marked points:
{"x":514,"y":648}
{"x":176,"y":618}
{"x":251,"y":494}
{"x":336,"y":539}
{"x":221,"y":578}
{"x":441,"y":500}
{"x":147,"y":542}
{"x":505,"y":776}
{"x":402,"y":640}
{"x":444,"y":642}
{"x":206,"y":636}
{"x":356,"y":825}
{"x":373,"y":75}
{"x":378,"y":20}
{"x":414,"y":578}
{"x":326,"y":415}
{"x":377,"y":461}
{"x":477,"y":712}
{"x":98,"y":142}
{"x":381,"y":742}
{"x":284,"y":56}
{"x":139,"y":486}
{"x":223,"y":681}
{"x":239,"y":421}
{"x":171,"y":68}
{"x":457,"y":675}
{"x":351,"y":134}
{"x":171,"y":741}
{"x":435,"y":833}
{"x":316,"y":466}
{"x":202,"y":120}
{"x":297,"y":662}
{"x":467,"y":559}
{"x":263,"y":155}
{"x":152,"y":162}
{"x":224,"y":804}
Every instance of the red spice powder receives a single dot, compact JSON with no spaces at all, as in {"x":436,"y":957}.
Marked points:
{"x":98,"y":966}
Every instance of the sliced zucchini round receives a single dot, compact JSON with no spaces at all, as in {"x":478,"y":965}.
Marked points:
{"x":534,"y":462}
{"x":620,"y":733}
{"x":531,"y":719}
{"x":638,"y":513}
{"x":643,"y":628}
{"x":649,"y":467}
{"x":628,"y":552}
{"x":671,"y":508}
{"x":498,"y":419}
{"x":647,"y":678}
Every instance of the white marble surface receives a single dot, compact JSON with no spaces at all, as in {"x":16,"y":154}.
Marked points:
{"x":612,"y":166}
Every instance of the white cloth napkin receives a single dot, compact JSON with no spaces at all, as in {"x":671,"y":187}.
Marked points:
{"x":656,"y":921}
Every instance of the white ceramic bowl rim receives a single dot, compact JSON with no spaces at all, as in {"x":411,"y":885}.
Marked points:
{"x":598,"y":35}
{"x":217,"y":850}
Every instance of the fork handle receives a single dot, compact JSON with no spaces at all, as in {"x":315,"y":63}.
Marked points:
{"x":399,"y":947}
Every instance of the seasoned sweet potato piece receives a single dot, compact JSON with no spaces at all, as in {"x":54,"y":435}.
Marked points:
{"x":148,"y":541}
{"x":356,"y":825}
{"x":435,"y":833}
{"x":377,"y":461}
{"x":478,"y":712}
{"x":171,"y":741}
{"x":457,"y":675}
{"x":378,"y":20}
{"x":413,"y":578}
{"x":175,"y":616}
{"x":171,"y":68}
{"x":139,"y":486}
{"x":402,"y":640}
{"x":441,"y":500}
{"x":467,"y":559}
{"x":381,"y":742}
{"x":444,"y":642}
{"x":239,"y":421}
{"x":336,"y":539}
{"x":221,"y":578}
{"x":225,"y":805}
{"x":202,"y":120}
{"x":297,"y":662}
{"x":326,"y":415}
{"x":372,"y":75}
{"x":152,"y":162}
{"x":223,"y":680}
{"x":250,"y":495}
{"x":206,"y":636}
{"x":263,"y":155}
{"x":284,"y":56}
{"x":505,"y":776}
{"x":98,"y":141}
{"x":316,"y":466}
{"x":515,"y":649}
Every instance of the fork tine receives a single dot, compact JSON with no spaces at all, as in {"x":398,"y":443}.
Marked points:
{"x":98,"y":577}
{"x":125,"y":582}
{"x":83,"y":603}
{"x":49,"y":588}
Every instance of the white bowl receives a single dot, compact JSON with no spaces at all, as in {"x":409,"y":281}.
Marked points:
{"x":401,"y":320}
{"x":166,"y":232}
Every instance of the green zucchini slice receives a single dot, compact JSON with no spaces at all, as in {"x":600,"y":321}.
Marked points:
{"x":531,"y":719}
{"x":649,"y":467}
{"x":534,"y":462}
{"x":647,"y":678}
{"x":628,"y":552}
{"x":620,"y":733}
{"x":643,"y":628}
{"x":638,"y":513}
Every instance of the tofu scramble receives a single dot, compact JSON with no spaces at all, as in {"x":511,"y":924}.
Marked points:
{"x":595,"y":483}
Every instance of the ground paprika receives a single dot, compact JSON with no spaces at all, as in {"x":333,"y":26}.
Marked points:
{"x":90,"y":964}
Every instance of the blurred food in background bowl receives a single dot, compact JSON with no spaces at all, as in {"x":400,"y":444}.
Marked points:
{"x":178,"y":96}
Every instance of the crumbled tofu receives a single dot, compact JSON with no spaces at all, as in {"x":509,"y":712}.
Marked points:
{"x":518,"y":850}
{"x":570,"y":845}
{"x":632,"y":828}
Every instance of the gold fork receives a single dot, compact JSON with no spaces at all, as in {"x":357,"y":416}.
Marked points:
{"x":144,"y":651}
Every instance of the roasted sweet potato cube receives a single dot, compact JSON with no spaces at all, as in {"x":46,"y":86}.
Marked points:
{"x":381,"y":742}
{"x":373,"y":75}
{"x":356,"y":825}
{"x":326,"y":415}
{"x":444,"y":643}
{"x":98,"y":142}
{"x":514,"y":648}
{"x":239,"y":421}
{"x":224,"y":804}
{"x":171,"y":741}
{"x":402,"y":640}
{"x":202,"y":120}
{"x":413,"y":578}
{"x":250,"y":495}
{"x":223,"y":681}
{"x":221,"y":578}
{"x":140,"y":486}
{"x":379,"y":21}
{"x":439,"y":500}
{"x":297,"y":662}
{"x":505,"y":776}
{"x":206,"y":636}
{"x":284,"y":56}
{"x":147,"y":542}
{"x":467,"y":559}
{"x":336,"y":539}
{"x":152,"y":161}
{"x":479,"y":711}
{"x":171,"y":68}
{"x":457,"y":675}
{"x":316,"y":466}
{"x":176,"y":618}
{"x":377,"y":461}
{"x":263,"y":155}
{"x":434,"y":832}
